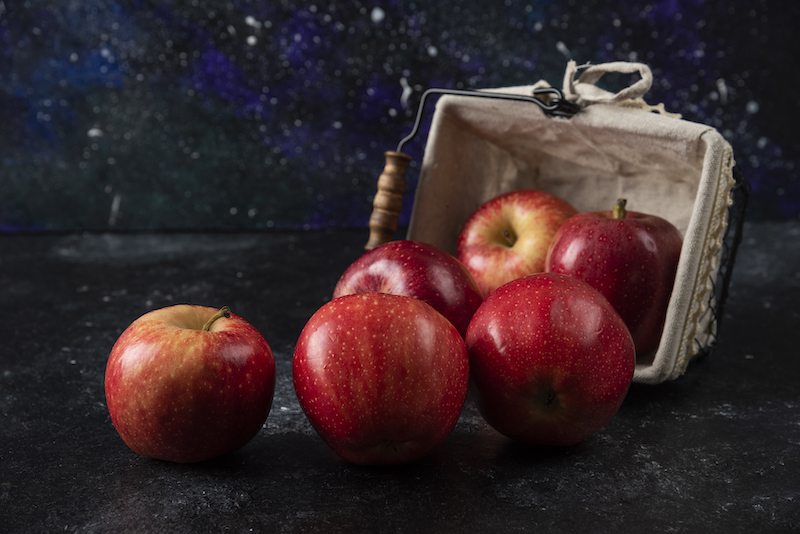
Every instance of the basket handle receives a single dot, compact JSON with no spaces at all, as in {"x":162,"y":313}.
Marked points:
{"x":388,"y":200}
{"x":585,"y":91}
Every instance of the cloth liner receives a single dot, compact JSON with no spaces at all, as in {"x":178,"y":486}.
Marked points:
{"x":615,"y":146}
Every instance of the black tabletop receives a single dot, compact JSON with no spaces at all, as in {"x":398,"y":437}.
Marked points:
{"x":717,"y":450}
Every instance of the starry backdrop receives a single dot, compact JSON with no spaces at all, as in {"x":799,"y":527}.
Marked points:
{"x":254,"y":114}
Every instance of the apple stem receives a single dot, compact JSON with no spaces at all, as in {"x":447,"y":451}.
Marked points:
{"x":509,"y":238}
{"x":223,"y":312}
{"x":619,"y":208}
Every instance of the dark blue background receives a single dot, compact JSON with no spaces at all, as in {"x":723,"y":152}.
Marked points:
{"x":185,"y":114}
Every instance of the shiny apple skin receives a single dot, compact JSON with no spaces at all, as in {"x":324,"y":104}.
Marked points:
{"x":419,"y":270}
{"x":631,"y":261}
{"x":180,"y":394}
{"x":550,"y":359}
{"x":382,"y":378}
{"x":531,"y":216}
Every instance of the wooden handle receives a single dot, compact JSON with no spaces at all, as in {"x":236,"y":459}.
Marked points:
{"x":388,"y":200}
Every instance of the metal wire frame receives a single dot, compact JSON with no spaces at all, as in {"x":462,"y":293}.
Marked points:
{"x":706,"y":341}
{"x":558,"y":106}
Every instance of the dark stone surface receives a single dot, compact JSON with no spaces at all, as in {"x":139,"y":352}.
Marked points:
{"x":717,"y":450}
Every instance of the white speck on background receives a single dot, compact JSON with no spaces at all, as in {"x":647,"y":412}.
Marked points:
{"x":722,"y":87}
{"x":252,"y":22}
{"x":115,"y":202}
{"x":406,"y":93}
{"x":377,"y":15}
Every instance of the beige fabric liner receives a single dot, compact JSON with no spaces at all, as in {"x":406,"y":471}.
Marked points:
{"x":616,"y":146}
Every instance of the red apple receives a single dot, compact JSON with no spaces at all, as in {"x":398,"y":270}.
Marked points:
{"x":507,"y":237}
{"x":630,"y":257}
{"x":382,"y":378}
{"x":550,"y":359}
{"x":189,"y":383}
{"x":419,"y":270}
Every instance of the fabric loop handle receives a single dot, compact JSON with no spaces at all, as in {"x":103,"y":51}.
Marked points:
{"x":583,"y":91}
